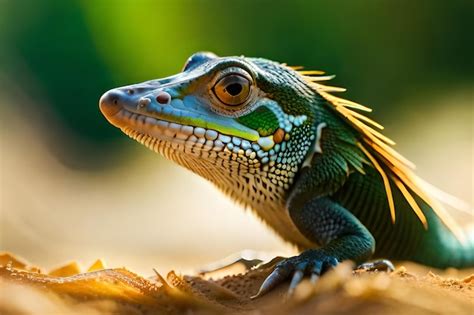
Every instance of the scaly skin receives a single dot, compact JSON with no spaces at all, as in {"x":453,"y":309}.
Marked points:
{"x":276,"y":141}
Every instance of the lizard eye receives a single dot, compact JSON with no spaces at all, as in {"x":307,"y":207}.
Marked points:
{"x":232,"y":89}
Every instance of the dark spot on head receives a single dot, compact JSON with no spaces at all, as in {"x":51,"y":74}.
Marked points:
{"x":163,"y":98}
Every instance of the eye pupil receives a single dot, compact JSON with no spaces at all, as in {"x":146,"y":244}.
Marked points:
{"x":234,"y":89}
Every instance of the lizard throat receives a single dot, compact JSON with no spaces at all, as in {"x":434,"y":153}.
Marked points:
{"x":228,"y":161}
{"x":255,"y":178}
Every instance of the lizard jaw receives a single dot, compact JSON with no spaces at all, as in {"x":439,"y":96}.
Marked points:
{"x":157,"y":134}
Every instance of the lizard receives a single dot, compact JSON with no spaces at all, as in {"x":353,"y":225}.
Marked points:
{"x":309,"y":164}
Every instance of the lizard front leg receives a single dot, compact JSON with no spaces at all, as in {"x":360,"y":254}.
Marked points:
{"x":328,"y":224}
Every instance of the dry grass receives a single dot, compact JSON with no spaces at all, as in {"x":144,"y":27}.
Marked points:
{"x":25,"y":290}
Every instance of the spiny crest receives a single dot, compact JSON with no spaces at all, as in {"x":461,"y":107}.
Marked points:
{"x":391,"y":165}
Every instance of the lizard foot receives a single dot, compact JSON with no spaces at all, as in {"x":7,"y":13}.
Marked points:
{"x":377,"y":265}
{"x":312,"y":262}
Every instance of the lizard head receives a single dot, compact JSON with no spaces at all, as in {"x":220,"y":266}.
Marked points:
{"x":233,"y":120}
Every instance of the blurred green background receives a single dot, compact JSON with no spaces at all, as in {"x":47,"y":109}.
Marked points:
{"x":74,"y":187}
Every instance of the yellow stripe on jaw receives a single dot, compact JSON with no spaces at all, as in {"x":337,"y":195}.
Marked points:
{"x":249,"y":134}
{"x":232,"y":132}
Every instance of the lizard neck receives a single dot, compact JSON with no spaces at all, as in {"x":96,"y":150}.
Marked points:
{"x":261,"y":187}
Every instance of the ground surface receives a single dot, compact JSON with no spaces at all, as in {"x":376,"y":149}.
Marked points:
{"x":410,"y":290}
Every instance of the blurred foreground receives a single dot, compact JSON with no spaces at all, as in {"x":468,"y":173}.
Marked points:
{"x":341,"y":291}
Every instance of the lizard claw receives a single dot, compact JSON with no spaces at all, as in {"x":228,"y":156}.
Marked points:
{"x":316,"y":272}
{"x":313,"y":262}
{"x":297,"y":277}
{"x":276,"y":277}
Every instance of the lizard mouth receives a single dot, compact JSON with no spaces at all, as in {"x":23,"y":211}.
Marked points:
{"x":155,"y":133}
{"x":158,"y":126}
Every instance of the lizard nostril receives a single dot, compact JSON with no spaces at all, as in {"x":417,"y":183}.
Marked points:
{"x":110,"y":103}
{"x":130,"y":91}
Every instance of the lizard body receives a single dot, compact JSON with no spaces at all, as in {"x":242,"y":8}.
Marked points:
{"x":309,"y":164}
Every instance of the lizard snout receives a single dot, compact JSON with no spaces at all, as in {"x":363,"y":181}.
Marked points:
{"x":111,"y":102}
{"x":127,"y":97}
